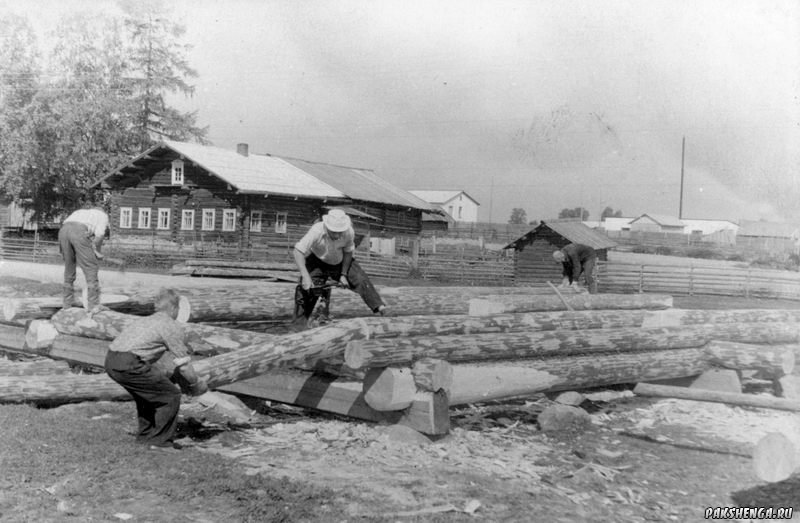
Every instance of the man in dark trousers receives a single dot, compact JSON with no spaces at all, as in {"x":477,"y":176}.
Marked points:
{"x":80,"y":239}
{"x":147,"y":358}
{"x":577,"y":259}
{"x":326,"y":251}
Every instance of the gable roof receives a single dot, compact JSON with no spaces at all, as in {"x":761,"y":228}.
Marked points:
{"x":266,"y":174}
{"x":441,"y":196}
{"x":768,"y":229}
{"x":662,"y":219}
{"x":574,"y":231}
{"x":708,"y":226}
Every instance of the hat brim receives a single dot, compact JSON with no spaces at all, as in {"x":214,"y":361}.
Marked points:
{"x":341,"y":227}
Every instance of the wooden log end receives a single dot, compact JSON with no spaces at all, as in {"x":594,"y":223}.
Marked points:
{"x":10,"y":307}
{"x":40,"y":334}
{"x":184,"y":310}
{"x":774,"y":458}
{"x":389,"y":389}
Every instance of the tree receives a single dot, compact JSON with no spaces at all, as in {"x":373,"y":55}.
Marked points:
{"x":518,"y":216}
{"x":609,"y":212}
{"x":577,"y":213}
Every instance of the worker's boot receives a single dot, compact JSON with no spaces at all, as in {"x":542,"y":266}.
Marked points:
{"x":325,"y":307}
{"x":68,"y":295}
{"x":304,"y":302}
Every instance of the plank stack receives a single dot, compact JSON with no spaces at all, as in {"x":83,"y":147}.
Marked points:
{"x":442,"y":346}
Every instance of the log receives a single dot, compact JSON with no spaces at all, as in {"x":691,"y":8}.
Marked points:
{"x":74,"y":349}
{"x":482,"y":347}
{"x":15,"y":309}
{"x":391,"y":388}
{"x":12,"y":337}
{"x":427,"y":414}
{"x":59,"y":389}
{"x":744,"y":400}
{"x":38,"y":367}
{"x":480,"y":383}
{"x":432,"y":375}
{"x":40,"y":334}
{"x":263,"y":265}
{"x":201,"y":339}
{"x":776,"y":457}
{"x":286,"y":351}
{"x":770,"y":361}
{"x":501,"y":304}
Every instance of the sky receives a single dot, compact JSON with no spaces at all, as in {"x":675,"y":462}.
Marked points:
{"x":535,"y":104}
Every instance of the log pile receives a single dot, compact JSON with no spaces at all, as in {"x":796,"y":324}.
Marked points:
{"x":441,"y":347}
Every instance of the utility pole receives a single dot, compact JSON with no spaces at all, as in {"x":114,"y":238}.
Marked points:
{"x":683,"y":159}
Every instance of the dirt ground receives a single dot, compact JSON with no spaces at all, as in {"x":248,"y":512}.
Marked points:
{"x":638,"y":460}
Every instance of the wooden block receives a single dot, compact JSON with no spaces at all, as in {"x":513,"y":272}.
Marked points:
{"x":40,"y":334}
{"x":720,"y":380}
{"x":390,"y":388}
{"x":428,"y":412}
{"x":787,"y":387}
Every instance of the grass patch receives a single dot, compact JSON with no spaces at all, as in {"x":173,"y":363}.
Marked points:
{"x":77,"y":463}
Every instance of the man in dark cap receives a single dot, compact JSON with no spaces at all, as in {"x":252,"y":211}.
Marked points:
{"x":577,"y":259}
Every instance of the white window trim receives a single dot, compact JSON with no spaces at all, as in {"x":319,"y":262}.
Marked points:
{"x":161,"y":211}
{"x":225,"y":214}
{"x":178,"y":167}
{"x":142,"y":212}
{"x":213,"y":213}
{"x":281,"y":222}
{"x":130,"y":217}
{"x":255,"y":225}
{"x":184,"y":214}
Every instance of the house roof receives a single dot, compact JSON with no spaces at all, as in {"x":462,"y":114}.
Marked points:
{"x":440,"y":196}
{"x":431,"y":217}
{"x":708,"y":226}
{"x":355,"y":213}
{"x":612,"y":223}
{"x":265,"y":174}
{"x":574,"y":231}
{"x":768,"y":229}
{"x":662,"y":219}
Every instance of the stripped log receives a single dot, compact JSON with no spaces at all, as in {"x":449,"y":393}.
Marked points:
{"x":731,"y":398}
{"x":479,"y":383}
{"x":60,"y":389}
{"x":501,"y":304}
{"x":772,"y":362}
{"x":481,"y":347}
{"x":285,"y":351}
{"x":232,"y":264}
{"x":391,"y":388}
{"x":12,"y":337}
{"x":16,"y":309}
{"x":432,"y":375}
{"x":38,"y":367}
{"x":428,"y":412}
{"x":201,"y":339}
{"x":776,"y":457}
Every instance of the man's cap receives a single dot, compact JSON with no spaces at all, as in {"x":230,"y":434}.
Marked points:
{"x":337,"y":221}
{"x":558,"y":256}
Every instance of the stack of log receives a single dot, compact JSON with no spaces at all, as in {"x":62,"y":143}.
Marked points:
{"x":445,"y":346}
{"x":266,"y":271}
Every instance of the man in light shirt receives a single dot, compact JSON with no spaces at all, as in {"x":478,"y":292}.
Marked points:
{"x":80,"y":239}
{"x":326,"y":251}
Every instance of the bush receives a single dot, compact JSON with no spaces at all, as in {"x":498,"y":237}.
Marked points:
{"x":663,"y":250}
{"x":702,"y":253}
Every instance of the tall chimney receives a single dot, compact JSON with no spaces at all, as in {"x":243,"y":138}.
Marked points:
{"x":242,"y":149}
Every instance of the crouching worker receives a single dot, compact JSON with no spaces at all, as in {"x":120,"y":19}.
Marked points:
{"x":577,"y":259}
{"x":147,"y":359}
{"x":326,"y":251}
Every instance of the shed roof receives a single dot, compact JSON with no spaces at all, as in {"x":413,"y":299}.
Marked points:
{"x":266,"y":174}
{"x":574,"y":231}
{"x":769,"y":229}
{"x":664,"y":220}
{"x":440,"y":196}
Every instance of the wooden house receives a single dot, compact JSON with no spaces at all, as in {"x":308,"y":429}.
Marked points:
{"x":459,"y":205}
{"x":189,"y":193}
{"x":533,"y":252}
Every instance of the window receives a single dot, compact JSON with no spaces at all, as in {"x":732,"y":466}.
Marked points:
{"x":163,"y":219}
{"x":255,"y":221}
{"x":187,"y":220}
{"x":229,"y":220}
{"x":125,"y":217}
{"x":144,"y":218}
{"x":459,"y":212}
{"x":209,"y":217}
{"x":177,"y":172}
{"x":450,"y":210}
{"x":280,"y":222}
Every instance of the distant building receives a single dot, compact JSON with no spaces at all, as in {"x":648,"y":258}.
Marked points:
{"x":777,"y":236}
{"x":657,"y":223}
{"x":458,"y":204}
{"x":612,"y":224}
{"x":533,"y":257}
{"x":708,"y":227}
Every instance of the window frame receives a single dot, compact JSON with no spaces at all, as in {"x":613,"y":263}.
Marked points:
{"x":253,"y":222}
{"x":161,"y":211}
{"x":213,"y":213}
{"x":281,"y":222}
{"x":148,"y":211}
{"x":184,"y":214}
{"x":225,"y":214}
{"x":130,"y":217}
{"x":178,"y":166}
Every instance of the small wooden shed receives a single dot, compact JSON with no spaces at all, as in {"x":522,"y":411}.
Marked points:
{"x":533,"y":256}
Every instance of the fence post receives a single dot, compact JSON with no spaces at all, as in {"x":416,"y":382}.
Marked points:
{"x":641,"y":279}
{"x":415,"y":253}
{"x":747,"y":284}
{"x":691,"y":280}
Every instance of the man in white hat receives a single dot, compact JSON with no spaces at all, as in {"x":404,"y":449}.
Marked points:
{"x":326,"y":251}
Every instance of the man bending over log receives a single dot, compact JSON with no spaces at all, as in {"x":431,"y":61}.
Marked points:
{"x":147,"y":358}
{"x":80,"y":239}
{"x":577,"y":259}
{"x":326,"y":251}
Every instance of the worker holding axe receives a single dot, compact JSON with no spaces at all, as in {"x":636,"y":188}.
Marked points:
{"x":326,"y":251}
{"x":80,"y":240}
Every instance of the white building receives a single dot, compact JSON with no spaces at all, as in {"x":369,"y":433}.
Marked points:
{"x":458,"y":204}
